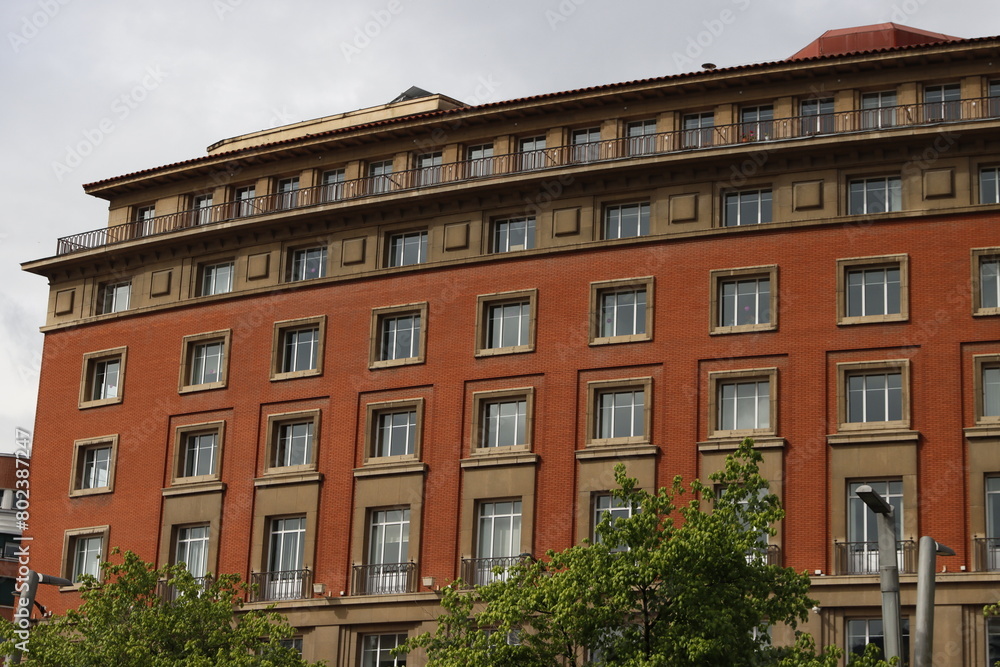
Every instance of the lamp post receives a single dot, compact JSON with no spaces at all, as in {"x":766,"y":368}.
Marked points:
{"x":926,"y":569}
{"x":888,"y":569}
{"x":25,"y":603}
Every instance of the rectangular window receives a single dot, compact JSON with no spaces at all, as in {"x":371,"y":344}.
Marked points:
{"x":102,"y":377}
{"x":991,"y":391}
{"x":397,"y":433}
{"x":429,"y":168}
{"x":531,"y":153}
{"x":333,"y":185}
{"x":986,"y":370}
{"x":498,"y":540}
{"x":698,"y":129}
{"x":994,"y":94}
{"x":96,"y":466}
{"x":285,"y":558}
{"x":199,"y":455}
{"x":204,"y":361}
{"x":288,"y":193}
{"x":514,"y":234}
{"x":217,"y":278}
{"x":862,"y":526}
{"x":986,"y":281}
{"x":87,"y":554}
{"x":874,"y":195}
{"x":388,"y":552}
{"x":878,"y":110}
{"x":504,"y":423}
{"x":93,"y":466}
{"x":990,"y":551}
{"x":626,"y":220}
{"x":145,"y":219}
{"x":989,"y":185}
{"x":992,"y":638}
{"x":294,"y":444}
{"x":748,"y":207}
{"x":398,"y":335}
{"x":756,"y":123}
{"x":742,"y":402}
{"x":114,"y":297}
{"x":621,"y":414}
{"x":641,"y":137}
{"x":380,"y":177}
{"x":942,"y":102}
{"x":610,"y":508}
{"x":202,"y":205}
{"x":479,"y":161}
{"x":873,"y":289}
{"x":307,"y":263}
{"x":816,"y":116}
{"x":621,"y":311}
{"x":864,"y":631}
{"x":408,"y":248}
{"x":191,"y":549}
{"x":245,"y":201}
{"x":376,"y":651}
{"x":586,"y":144}
{"x":508,"y":324}
{"x":874,"y":394}
{"x":297,"y":348}
{"x":744,"y":299}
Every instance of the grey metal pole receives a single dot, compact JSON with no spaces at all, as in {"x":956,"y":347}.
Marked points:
{"x":923,"y":639}
{"x":26,"y":603}
{"x":889,"y":583}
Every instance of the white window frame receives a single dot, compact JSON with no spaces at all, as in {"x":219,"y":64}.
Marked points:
{"x":114,"y":297}
{"x":306,"y":261}
{"x":878,"y":109}
{"x":612,"y":227}
{"x":217,"y":278}
{"x":190,"y":543}
{"x":522,"y":228}
{"x":759,"y":200}
{"x":400,"y":248}
{"x":376,"y":650}
{"x":871,"y":196}
{"x":641,"y":136}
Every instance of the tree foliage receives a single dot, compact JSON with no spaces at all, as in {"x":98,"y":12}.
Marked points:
{"x":125,"y":621}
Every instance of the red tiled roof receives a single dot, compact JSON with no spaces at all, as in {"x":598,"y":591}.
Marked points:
{"x":869,"y":38}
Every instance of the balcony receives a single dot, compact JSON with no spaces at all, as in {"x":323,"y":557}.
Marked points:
{"x":987,"y":554}
{"x":281,"y":585}
{"x":767,"y":554}
{"x":482,"y":571}
{"x":169,"y":592}
{"x":862,"y":557}
{"x":385,"y":579}
{"x":795,"y":128}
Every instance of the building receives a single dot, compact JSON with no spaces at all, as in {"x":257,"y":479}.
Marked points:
{"x":357,"y":357}
{"x":12,"y":496}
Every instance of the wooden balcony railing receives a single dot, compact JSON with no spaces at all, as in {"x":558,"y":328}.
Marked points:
{"x":385,"y":579}
{"x":862,"y":557}
{"x":608,"y":150}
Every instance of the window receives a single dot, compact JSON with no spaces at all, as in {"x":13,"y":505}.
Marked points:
{"x":990,"y":551}
{"x":987,"y":388}
{"x":387,"y":568}
{"x":744,"y":299}
{"x":864,"y":631}
{"x":102,"y":378}
{"x":641,"y":137}
{"x":502,"y":421}
{"x":408,"y":248}
{"x":204,"y":361}
{"x":742,"y":402}
{"x":621,"y":414}
{"x":202,"y":205}
{"x":393,"y":430}
{"x":698,"y":129}
{"x":532,"y":153}
{"x":626,"y":220}
{"x":297,"y":348}
{"x":307,"y":263}
{"x":942,"y":102}
{"x":992,"y":641}
{"x":989,"y":185}
{"x":144,"y":218}
{"x":479,"y":160}
{"x":986,"y":281}
{"x":607,"y":506}
{"x":333,"y":185}
{"x":197,"y":452}
{"x":94,"y":466}
{"x":862,"y":527}
{"x":398,"y":335}
{"x":288,"y":193}
{"x":113,"y":297}
{"x":874,"y":195}
{"x":874,"y":395}
{"x":506,"y":323}
{"x":83,"y":550}
{"x":513,"y":234}
{"x":586,"y":144}
{"x":498,"y":540}
{"x":245,"y":201}
{"x":376,"y":651}
{"x":873,"y":289}
{"x":621,"y":311}
{"x":191,"y":548}
{"x":429,"y":168}
{"x":816,"y":116}
{"x":217,"y":278}
{"x":878,"y":110}
{"x":756,"y":123}
{"x":748,"y":207}
{"x":380,"y":177}
{"x":994,"y":95}
{"x":294,"y":444}
{"x":285,"y":577}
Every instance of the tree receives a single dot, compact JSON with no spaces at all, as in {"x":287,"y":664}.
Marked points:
{"x":126,"y":620}
{"x":671,"y":585}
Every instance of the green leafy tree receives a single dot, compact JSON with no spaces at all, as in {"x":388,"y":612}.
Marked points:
{"x":126,"y":621}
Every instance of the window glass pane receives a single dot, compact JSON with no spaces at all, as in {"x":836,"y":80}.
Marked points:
{"x":991,"y":391}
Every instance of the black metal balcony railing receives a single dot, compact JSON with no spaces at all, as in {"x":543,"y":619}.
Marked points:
{"x":769,"y":554}
{"x":281,"y":585}
{"x":385,"y":579}
{"x":862,"y":557}
{"x":987,"y":554}
{"x":621,"y":148}
{"x":482,"y":571}
{"x":169,"y":592}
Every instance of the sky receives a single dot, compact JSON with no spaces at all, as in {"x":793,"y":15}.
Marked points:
{"x":102,"y":88}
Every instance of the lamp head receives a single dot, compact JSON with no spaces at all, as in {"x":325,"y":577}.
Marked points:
{"x":875,"y":502}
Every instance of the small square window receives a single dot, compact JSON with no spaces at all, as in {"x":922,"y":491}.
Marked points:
{"x":618,"y":412}
{"x":626,"y":220}
{"x":113,"y":297}
{"x":511,"y":234}
{"x":307,"y":263}
{"x":621,"y":311}
{"x":873,"y":289}
{"x":83,"y":551}
{"x":744,"y":300}
{"x":874,"y":195}
{"x":407,"y":249}
{"x":989,"y":185}
{"x":204,"y":361}
{"x":94,"y":466}
{"x":398,"y":335}
{"x":197,"y":452}
{"x":987,"y":388}
{"x":747,"y":207}
{"x":292,"y":438}
{"x":393,"y":432}
{"x":986,"y":281}
{"x":297,"y":348}
{"x":103,"y":377}
{"x":502,"y":421}
{"x":874,"y":395}
{"x":506,"y":323}
{"x":743,"y":403}
{"x":217,"y":278}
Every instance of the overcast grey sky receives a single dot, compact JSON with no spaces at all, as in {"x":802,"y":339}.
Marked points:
{"x":105,"y":87}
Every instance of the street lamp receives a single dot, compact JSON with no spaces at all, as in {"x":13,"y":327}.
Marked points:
{"x":888,"y":569}
{"x":926,"y":569}
{"x":26,"y":602}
